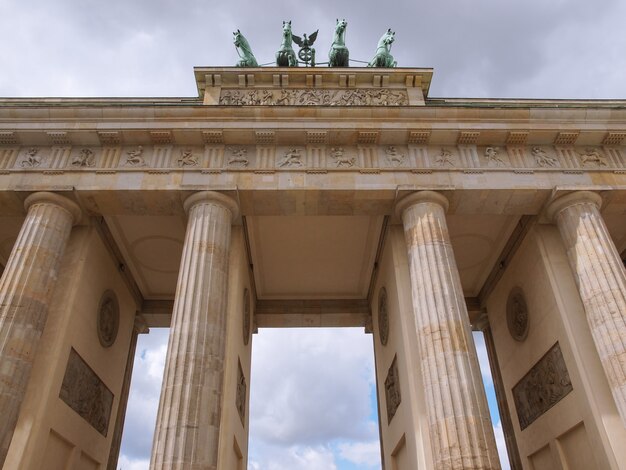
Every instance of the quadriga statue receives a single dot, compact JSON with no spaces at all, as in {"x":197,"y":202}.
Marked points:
{"x":339,"y":55}
{"x":383,"y":57}
{"x":246,"y":57}
{"x":286,"y":56}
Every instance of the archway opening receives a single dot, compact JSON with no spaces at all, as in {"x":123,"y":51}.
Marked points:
{"x":313,"y":400}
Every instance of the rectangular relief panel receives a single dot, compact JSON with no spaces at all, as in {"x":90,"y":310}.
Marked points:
{"x":393,"y":398}
{"x":84,"y":392}
{"x":542,"y":387}
{"x":242,"y":390}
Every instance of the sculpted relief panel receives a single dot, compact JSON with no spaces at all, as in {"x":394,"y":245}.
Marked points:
{"x":542,"y":387}
{"x":307,"y":97}
{"x":517,"y":315}
{"x":393,"y":398}
{"x":383,"y":317}
{"x":241,"y":394}
{"x":84,"y":392}
{"x":108,"y":319}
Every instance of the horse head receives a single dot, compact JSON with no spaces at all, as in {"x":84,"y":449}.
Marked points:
{"x":341,"y":25}
{"x":237,"y":38}
{"x":390,"y":37}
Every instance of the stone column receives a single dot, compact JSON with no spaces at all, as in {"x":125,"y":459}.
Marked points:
{"x":188,"y":421}
{"x":139,"y":327}
{"x":460,"y":427}
{"x":498,"y":384}
{"x":26,"y":288}
{"x":601,"y":280}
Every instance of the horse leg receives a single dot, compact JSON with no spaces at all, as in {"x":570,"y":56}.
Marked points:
{"x":280,"y":59}
{"x":345,"y":58}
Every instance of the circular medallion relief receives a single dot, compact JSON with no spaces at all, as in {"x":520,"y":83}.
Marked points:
{"x":108,"y":319}
{"x":383,"y":317}
{"x":246,"y":316}
{"x":517,"y":315}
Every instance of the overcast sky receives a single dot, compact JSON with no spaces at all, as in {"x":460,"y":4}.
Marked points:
{"x":478,"y":48}
{"x":313,"y":400}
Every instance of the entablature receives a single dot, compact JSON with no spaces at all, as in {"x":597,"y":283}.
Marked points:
{"x":313,"y":86}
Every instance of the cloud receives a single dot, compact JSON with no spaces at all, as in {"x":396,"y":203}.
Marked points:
{"x":143,"y":400}
{"x":365,"y":454}
{"x":311,"y":400}
{"x":480,"y":48}
{"x":124,"y":463}
{"x":501,"y":443}
{"x":311,"y":386}
{"x":297,"y":457}
{"x":483,"y":359}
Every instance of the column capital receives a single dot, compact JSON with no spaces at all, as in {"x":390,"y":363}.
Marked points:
{"x":577,"y":197}
{"x":481,"y":323}
{"x":140,"y":326}
{"x":45,"y":197}
{"x":419,"y":197}
{"x":212,"y":197}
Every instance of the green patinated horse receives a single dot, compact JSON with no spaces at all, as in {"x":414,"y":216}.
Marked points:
{"x":339,"y":55}
{"x":246,"y":57}
{"x":286,"y":56}
{"x":383,"y":58}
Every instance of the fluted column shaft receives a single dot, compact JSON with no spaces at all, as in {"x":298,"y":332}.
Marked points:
{"x":26,"y":288}
{"x":460,"y":427}
{"x":601,"y":280}
{"x":188,"y":421}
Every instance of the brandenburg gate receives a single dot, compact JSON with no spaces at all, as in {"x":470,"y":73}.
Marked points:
{"x":306,"y":197}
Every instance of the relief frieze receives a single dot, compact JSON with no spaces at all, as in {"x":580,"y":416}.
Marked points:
{"x":238,"y":157}
{"x":370,"y":158}
{"x":543,"y":159}
{"x":546,"y":383}
{"x":493,"y":157}
{"x":342,"y":158}
{"x":84,"y":392}
{"x":307,"y":97}
{"x":84,"y":158}
{"x":187,"y":158}
{"x":31,"y":159}
{"x":135,"y":157}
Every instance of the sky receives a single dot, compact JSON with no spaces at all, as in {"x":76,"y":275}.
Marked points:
{"x":313,"y":400}
{"x":477,"y":48}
